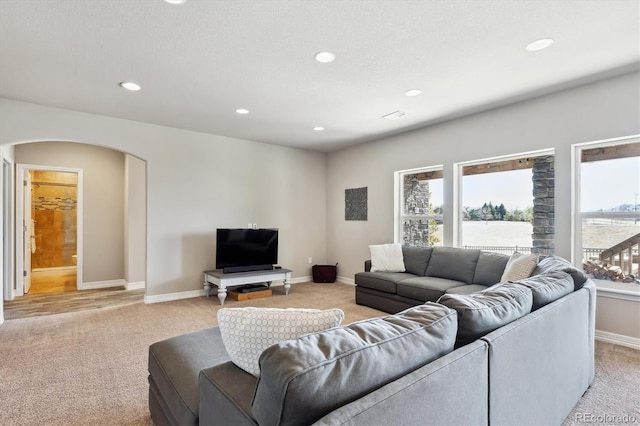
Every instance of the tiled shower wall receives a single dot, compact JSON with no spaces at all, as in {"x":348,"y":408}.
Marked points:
{"x":54,"y":210}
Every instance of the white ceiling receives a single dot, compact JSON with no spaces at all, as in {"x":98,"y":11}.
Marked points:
{"x":200,"y":61}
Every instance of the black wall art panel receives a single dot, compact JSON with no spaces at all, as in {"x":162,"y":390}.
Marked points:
{"x":355,"y":204}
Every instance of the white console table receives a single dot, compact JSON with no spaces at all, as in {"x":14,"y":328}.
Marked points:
{"x":222,"y":281}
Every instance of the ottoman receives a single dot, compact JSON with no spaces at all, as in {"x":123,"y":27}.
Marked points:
{"x":174,"y":367}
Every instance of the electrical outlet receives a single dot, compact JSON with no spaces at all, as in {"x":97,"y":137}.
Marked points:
{"x":310,"y":260}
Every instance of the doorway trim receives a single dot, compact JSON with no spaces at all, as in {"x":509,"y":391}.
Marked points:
{"x":21,"y":170}
{"x":8,"y":228}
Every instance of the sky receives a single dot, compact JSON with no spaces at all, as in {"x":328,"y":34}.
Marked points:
{"x":610,"y":183}
{"x":514,"y":189}
{"x":606,"y":184}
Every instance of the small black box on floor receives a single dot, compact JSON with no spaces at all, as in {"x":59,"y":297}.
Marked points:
{"x":324,"y":273}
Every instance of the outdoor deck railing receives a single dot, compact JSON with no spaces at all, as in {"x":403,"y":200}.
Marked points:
{"x":587,"y":252}
{"x":502,"y":249}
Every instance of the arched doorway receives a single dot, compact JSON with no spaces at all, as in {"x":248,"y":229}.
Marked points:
{"x":112,"y":229}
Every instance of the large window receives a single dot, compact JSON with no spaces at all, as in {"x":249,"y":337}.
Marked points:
{"x":608,"y":210}
{"x":419,"y":218}
{"x":507,"y":204}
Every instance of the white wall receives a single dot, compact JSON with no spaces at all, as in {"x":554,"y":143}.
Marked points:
{"x":103,"y":201}
{"x":196,"y":183}
{"x":135,"y":221}
{"x":596,"y":111}
{"x":601,"y":110}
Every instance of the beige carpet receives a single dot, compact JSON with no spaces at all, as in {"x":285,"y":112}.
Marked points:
{"x":90,"y":368}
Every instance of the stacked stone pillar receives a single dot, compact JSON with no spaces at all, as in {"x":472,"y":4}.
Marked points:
{"x":543,"y":205}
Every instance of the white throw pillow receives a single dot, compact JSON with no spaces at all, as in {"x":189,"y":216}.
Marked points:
{"x":519,"y":266}
{"x":247,"y":332}
{"x":387,"y":258}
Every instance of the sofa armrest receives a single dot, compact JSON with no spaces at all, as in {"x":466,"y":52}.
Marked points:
{"x":226,"y":392}
{"x":451,"y":390}
{"x":541,"y":364}
{"x":367,"y":266}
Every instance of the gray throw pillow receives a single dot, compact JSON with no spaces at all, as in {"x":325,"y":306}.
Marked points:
{"x":485,"y":311}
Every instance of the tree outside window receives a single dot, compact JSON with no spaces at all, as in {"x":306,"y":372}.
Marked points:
{"x":508,"y":204}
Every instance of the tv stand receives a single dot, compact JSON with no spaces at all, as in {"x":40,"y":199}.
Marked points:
{"x":221,"y":280}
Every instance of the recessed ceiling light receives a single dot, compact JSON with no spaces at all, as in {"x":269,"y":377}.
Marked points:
{"x":325,"y":57}
{"x":543,"y":43}
{"x":318,"y":128}
{"x":242,"y":111}
{"x":176,"y":1}
{"x":413,"y":92}
{"x":130,"y":85}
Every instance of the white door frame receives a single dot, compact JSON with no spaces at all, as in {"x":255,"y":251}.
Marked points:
{"x":8,"y":228}
{"x":21,"y":169}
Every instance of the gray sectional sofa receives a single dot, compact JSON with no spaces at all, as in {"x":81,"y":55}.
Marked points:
{"x":513,"y":353}
{"x":430,"y":273}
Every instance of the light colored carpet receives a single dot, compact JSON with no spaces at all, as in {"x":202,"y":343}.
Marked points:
{"x":90,"y":368}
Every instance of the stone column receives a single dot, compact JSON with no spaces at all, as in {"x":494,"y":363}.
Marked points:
{"x":543,"y":205}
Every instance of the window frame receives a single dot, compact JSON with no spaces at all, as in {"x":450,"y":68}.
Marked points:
{"x":399,"y":216}
{"x":458,"y":215}
{"x":577,"y":216}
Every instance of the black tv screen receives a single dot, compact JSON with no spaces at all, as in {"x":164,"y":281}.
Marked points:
{"x":241,"y":250}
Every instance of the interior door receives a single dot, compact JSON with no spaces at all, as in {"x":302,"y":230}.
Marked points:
{"x":27,"y":232}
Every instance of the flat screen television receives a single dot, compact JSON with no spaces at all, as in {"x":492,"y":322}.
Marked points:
{"x":243,"y":250}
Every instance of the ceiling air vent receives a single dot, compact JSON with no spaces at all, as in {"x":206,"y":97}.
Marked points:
{"x":394,"y":115}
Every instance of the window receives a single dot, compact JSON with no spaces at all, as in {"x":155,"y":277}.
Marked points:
{"x":507,"y":204}
{"x":420,"y":197}
{"x":608,"y":214}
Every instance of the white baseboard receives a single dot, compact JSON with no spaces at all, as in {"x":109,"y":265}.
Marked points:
{"x":299,"y":280}
{"x":345,"y":280}
{"x":102,"y":284}
{"x":168,"y":297}
{"x":134,"y":285}
{"x":618,"y":339}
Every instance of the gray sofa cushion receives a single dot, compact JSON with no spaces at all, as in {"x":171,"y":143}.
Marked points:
{"x":466,"y":289}
{"x":174,"y":366}
{"x":416,"y":259}
{"x":305,"y":378}
{"x":488,"y":310}
{"x":456,"y":264}
{"x":425,"y":289}
{"x":557,"y":263}
{"x":490,"y":268}
{"x":546,"y":288}
{"x":381,"y":281}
